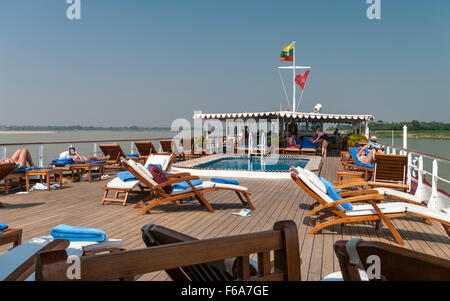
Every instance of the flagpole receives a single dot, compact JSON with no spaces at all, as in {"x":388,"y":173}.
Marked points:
{"x":301,"y":95}
{"x":293,"y":79}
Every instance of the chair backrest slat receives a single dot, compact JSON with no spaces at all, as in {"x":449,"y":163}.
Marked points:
{"x":145,"y":148}
{"x":390,"y":168}
{"x":52,"y":266}
{"x":113,"y":150}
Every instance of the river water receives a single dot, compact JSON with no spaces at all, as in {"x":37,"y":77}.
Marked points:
{"x":430,"y":146}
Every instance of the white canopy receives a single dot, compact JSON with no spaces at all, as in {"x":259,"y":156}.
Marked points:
{"x":342,"y":118}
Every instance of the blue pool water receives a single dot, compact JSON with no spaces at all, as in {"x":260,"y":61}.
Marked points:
{"x":255,"y":164}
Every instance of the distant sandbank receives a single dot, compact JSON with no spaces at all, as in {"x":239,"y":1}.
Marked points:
{"x":25,"y":132}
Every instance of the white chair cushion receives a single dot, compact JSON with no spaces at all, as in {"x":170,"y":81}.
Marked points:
{"x":305,"y":178}
{"x":117,"y":183}
{"x":142,"y":171}
{"x":162,"y":160}
{"x":204,"y":185}
{"x":359,"y":210}
{"x":231,"y":186}
{"x":315,"y":180}
{"x":397,"y":193}
{"x":337,"y":276}
{"x":428,"y":212}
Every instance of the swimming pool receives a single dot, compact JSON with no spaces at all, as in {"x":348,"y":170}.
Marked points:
{"x":254,"y":163}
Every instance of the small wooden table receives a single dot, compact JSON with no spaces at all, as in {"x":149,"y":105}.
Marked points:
{"x":80,"y":168}
{"x":13,"y":235}
{"x":47,"y":172}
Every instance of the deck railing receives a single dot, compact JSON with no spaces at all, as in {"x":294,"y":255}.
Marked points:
{"x":416,"y":166}
{"x":41,"y":147}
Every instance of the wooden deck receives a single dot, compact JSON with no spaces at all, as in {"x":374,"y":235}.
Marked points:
{"x":78,"y":204}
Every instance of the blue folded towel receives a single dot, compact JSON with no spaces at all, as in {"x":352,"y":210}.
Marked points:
{"x":3,"y":227}
{"x":126,"y":176}
{"x":225,"y":181}
{"x":62,"y":162}
{"x":185,"y":185}
{"x":131,"y":155}
{"x":330,"y":184}
{"x":77,"y":233}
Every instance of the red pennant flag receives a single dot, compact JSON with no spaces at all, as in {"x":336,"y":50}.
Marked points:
{"x":301,"y":79}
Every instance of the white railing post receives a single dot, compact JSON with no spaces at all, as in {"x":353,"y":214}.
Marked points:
{"x":94,"y":149}
{"x":131,"y":147}
{"x":408,"y":170}
{"x":432,"y":204}
{"x":41,"y":155}
{"x":4,"y":152}
{"x":419,"y":191}
{"x":405,"y":137}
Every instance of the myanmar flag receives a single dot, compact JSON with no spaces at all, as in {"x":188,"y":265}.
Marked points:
{"x":288,"y":53}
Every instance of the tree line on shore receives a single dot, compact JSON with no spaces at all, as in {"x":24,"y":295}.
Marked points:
{"x":414,"y":125}
{"x":78,"y":128}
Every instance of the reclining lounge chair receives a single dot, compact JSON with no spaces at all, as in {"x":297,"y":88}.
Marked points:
{"x":118,"y":186}
{"x":343,"y":212}
{"x":158,"y":196}
{"x":396,"y":263}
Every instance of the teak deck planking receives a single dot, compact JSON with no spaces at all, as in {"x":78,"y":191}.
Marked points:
{"x":78,"y":204}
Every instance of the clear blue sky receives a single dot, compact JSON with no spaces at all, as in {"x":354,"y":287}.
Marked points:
{"x":146,"y":63}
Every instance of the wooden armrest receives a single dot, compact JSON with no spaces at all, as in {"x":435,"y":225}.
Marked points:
{"x":367,"y":198}
{"x":351,"y":184}
{"x":388,"y":185}
{"x":357,"y":192}
{"x":178,"y":175}
{"x":176,"y":180}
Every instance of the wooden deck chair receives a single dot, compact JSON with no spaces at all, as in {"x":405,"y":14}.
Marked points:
{"x":391,"y":169}
{"x":18,"y":264}
{"x":282,"y":242}
{"x":373,"y":210}
{"x":123,"y":189}
{"x":168,"y":146}
{"x":145,"y":148}
{"x":308,"y":148}
{"x":5,"y":170}
{"x":190,"y":150}
{"x":115,"y":152}
{"x":395,"y":263}
{"x":158,"y":196}
{"x":222,"y":270}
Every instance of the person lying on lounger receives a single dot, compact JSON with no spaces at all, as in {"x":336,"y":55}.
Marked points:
{"x":21,"y":157}
{"x":370,"y":157}
{"x":73,"y":154}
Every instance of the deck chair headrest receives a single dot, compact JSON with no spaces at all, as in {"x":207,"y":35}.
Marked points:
{"x":141,"y":170}
{"x":323,"y":195}
{"x":162,"y":160}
